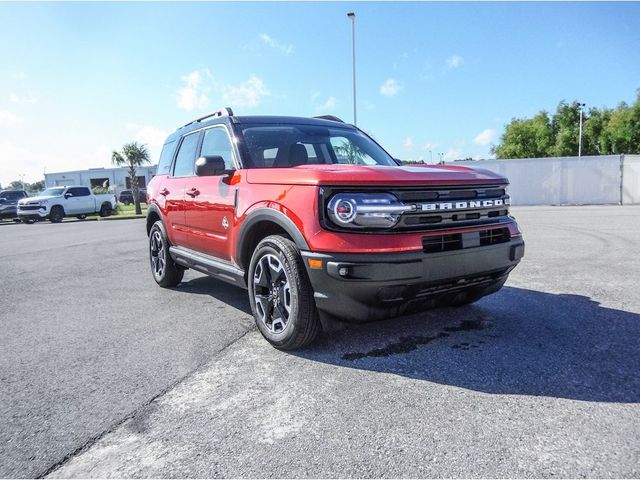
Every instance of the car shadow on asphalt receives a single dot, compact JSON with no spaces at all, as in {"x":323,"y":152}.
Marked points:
{"x":517,"y":341}
{"x":229,"y":294}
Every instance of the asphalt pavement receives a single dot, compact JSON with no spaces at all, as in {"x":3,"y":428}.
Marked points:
{"x":104,"y":374}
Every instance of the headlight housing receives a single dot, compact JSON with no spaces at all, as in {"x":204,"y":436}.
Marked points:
{"x":365,"y":210}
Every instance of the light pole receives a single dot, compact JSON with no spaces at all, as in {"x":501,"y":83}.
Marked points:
{"x":352,"y":17}
{"x":22,"y":180}
{"x":430,"y":156}
{"x":581,"y":105}
{"x":441,"y":158}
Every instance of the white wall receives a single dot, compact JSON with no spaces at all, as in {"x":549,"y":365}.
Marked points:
{"x":591,"y":180}
{"x":631,"y":179}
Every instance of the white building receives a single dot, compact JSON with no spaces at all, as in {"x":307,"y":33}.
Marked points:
{"x":116,"y":179}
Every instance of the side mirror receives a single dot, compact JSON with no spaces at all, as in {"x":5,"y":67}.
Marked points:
{"x":209,"y":166}
{"x":67,"y":195}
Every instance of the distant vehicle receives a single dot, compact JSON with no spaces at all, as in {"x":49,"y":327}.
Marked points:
{"x":9,"y":203}
{"x":126,"y":196}
{"x":55,"y":203}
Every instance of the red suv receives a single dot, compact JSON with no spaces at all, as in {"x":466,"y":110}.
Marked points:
{"x":319,"y":222}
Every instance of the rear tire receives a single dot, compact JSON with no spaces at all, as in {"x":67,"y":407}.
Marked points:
{"x":165,"y":271}
{"x":81,"y":217}
{"x":57,"y":214}
{"x":281,"y":295}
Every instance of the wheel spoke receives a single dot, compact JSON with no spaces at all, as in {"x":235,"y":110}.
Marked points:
{"x":263,"y":307}
{"x":260,"y":277}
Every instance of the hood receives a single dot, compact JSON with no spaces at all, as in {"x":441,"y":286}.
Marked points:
{"x":408,"y":175}
{"x":38,"y":199}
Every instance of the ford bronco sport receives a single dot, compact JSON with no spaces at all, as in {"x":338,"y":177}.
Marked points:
{"x":318,"y":222}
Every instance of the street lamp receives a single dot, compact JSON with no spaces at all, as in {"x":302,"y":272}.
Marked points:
{"x":352,"y":17}
{"x":441,"y":158}
{"x":581,"y":105}
{"x":430,"y":157}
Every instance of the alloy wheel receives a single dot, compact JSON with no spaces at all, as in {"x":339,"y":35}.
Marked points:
{"x":272,"y":293}
{"x":157,"y":254}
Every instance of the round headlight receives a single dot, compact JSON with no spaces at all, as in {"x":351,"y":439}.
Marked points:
{"x":365,"y":210}
{"x":344,"y":211}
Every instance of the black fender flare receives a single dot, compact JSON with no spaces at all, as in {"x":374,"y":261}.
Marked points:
{"x":271,"y":215}
{"x":152,"y":209}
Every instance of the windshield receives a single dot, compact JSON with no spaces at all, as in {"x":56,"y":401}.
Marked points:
{"x":279,"y":146}
{"x":52,"y":192}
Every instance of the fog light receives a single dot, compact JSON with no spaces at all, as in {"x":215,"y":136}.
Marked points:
{"x":343,"y":271}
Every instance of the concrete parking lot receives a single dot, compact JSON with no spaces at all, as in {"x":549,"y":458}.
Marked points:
{"x":104,"y":374}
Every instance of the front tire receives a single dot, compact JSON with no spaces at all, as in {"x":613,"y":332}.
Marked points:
{"x":28,"y":221}
{"x":165,"y":271}
{"x":57,"y":214}
{"x":281,"y":295}
{"x":105,"y":210}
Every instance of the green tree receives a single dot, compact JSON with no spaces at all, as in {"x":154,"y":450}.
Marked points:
{"x":565,"y":125}
{"x":605,"y":131}
{"x":525,"y":138}
{"x":132,"y":156}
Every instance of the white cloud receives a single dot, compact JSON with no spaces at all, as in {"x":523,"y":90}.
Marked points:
{"x":429,"y":146}
{"x":390,"y":87}
{"x":200,"y":87}
{"x":9,"y":119}
{"x":329,"y":105}
{"x":285,"y":48}
{"x":408,"y":143}
{"x":18,"y":160}
{"x":152,"y":137}
{"x":247,"y":94}
{"x":485,"y":137}
{"x":29,"y":97}
{"x":453,"y":154}
{"x":454,"y":61}
{"x":192,"y":95}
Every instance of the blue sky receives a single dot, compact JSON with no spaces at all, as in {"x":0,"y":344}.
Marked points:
{"x":79,"y":79}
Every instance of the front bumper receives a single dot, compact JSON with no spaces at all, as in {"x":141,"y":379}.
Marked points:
{"x":361,"y":287}
{"x":37,"y":214}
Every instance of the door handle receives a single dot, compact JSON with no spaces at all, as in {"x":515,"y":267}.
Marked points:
{"x":164,"y":192}
{"x":194,"y":192}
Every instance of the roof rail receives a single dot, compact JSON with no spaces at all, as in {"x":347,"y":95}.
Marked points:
{"x":330,"y":117}
{"x":225,"y":112}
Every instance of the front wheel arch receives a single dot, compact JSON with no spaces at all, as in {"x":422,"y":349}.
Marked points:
{"x":260,"y":224}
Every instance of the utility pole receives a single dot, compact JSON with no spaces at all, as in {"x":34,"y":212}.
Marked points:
{"x":352,"y":17}
{"x":581,"y":105}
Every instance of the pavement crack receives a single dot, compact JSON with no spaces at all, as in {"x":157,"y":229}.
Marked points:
{"x":138,"y":410}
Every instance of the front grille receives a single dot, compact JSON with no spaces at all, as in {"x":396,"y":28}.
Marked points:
{"x":458,"y":241}
{"x":468,"y":207}
{"x":29,"y":207}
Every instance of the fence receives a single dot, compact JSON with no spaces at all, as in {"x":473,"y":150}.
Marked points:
{"x":593,"y":180}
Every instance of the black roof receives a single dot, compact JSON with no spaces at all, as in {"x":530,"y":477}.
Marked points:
{"x":256,"y":120}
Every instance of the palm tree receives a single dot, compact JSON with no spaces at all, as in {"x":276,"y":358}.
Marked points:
{"x":350,"y":150}
{"x":133,"y":155}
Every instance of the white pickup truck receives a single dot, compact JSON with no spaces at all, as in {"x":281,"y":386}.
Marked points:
{"x":55,"y":203}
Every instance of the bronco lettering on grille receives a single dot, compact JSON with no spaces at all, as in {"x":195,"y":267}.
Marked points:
{"x":464,"y":205}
